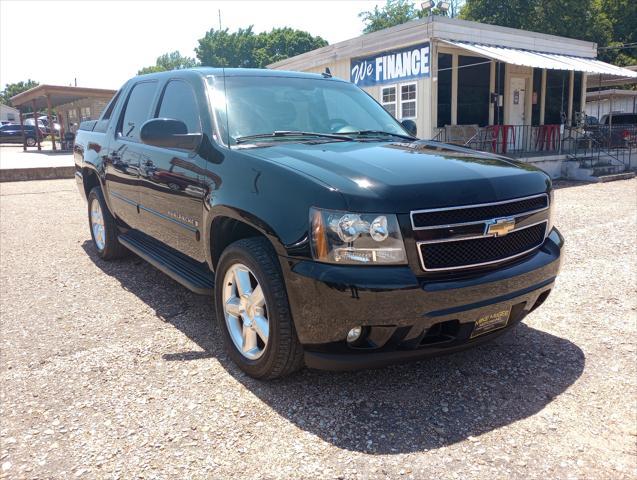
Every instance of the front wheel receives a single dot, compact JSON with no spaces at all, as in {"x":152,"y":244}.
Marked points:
{"x":31,"y":142}
{"x":253,"y":313}
{"x":103,"y":228}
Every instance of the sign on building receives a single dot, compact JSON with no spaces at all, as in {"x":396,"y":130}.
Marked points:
{"x":391,"y":66}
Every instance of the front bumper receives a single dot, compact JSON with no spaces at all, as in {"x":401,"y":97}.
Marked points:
{"x":408,"y":317}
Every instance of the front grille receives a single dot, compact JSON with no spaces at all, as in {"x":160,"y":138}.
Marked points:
{"x":477,"y":213}
{"x":448,"y":255}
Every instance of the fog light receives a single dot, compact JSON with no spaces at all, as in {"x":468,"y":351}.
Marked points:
{"x":354,"y":334}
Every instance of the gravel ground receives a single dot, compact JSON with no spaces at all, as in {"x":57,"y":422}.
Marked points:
{"x":112,"y":370}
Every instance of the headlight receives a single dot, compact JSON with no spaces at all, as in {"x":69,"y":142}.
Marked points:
{"x":353,"y":238}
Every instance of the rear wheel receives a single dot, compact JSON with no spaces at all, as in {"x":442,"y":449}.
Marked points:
{"x":103,"y":228}
{"x":31,"y":142}
{"x":253,"y":311}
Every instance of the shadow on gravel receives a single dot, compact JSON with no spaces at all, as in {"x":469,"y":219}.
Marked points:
{"x":398,"y":409}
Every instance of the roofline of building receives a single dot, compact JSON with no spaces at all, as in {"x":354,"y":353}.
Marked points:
{"x":614,"y":92}
{"x":434,"y":27}
{"x":44,"y":90}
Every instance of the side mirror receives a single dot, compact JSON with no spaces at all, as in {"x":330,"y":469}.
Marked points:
{"x":410,"y":126}
{"x":168,"y":133}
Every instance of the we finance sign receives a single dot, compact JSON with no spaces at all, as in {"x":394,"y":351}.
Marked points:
{"x":391,"y":66}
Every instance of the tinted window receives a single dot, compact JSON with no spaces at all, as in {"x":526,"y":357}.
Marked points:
{"x":178,"y":103}
{"x":137,"y":109}
{"x":624,"y":119}
{"x":101,"y":125}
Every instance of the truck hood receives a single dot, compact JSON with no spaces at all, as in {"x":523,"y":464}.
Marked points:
{"x":400,"y":177}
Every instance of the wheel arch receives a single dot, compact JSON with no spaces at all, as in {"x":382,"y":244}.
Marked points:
{"x":228,"y":225}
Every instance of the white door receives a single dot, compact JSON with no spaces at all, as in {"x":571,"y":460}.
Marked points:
{"x":517,"y":116}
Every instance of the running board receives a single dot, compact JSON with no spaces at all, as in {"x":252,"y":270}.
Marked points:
{"x":193,"y":275}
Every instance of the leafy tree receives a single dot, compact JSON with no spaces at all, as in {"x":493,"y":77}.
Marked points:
{"x":395,"y":12}
{"x":606,"y":22}
{"x":12,"y":89}
{"x":169,"y":61}
{"x":220,"y":48}
{"x":244,"y":48}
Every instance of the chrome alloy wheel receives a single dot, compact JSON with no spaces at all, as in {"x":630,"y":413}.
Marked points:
{"x":97,"y":224}
{"x":246,"y":311}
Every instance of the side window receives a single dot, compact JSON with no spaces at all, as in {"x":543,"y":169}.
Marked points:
{"x":179,"y":103}
{"x":137,"y":110}
{"x":102,"y":123}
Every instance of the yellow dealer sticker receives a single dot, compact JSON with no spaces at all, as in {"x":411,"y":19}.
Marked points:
{"x":491,"y":322}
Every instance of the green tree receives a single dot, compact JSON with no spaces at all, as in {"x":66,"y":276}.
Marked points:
{"x":169,"y":61}
{"x":245,"y":49}
{"x":606,"y":22}
{"x":395,"y":12}
{"x":12,"y":89}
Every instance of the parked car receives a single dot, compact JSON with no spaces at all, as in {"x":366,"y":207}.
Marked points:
{"x":327,"y":233}
{"x":43,"y":123}
{"x":44,"y":120}
{"x":619,"y":129}
{"x":12,"y":133}
{"x":619,"y":119}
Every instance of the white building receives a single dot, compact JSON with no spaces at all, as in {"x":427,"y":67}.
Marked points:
{"x":483,"y":86}
{"x":603,"y":102}
{"x":9,"y":114}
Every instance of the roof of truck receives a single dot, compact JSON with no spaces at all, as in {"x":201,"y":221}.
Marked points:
{"x":235,"y":72}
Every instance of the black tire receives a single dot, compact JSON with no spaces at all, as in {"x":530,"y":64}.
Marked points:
{"x":112,"y":249}
{"x":31,"y":142}
{"x":283,"y":354}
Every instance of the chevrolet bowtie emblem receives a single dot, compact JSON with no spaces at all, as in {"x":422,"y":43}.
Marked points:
{"x":499,"y":227}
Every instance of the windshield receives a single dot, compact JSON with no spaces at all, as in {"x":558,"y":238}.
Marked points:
{"x":264,"y":105}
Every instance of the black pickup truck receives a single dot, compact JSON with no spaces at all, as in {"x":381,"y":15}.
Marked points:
{"x":328,"y":234}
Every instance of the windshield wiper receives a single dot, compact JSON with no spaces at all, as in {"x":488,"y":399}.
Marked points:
{"x":291,"y":133}
{"x":378,"y":133}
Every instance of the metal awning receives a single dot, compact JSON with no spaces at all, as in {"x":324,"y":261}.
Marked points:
{"x":57,"y":95}
{"x":552,"y":61}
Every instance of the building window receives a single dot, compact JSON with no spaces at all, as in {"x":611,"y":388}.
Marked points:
{"x":72,"y":115}
{"x":85,"y":112}
{"x":408,"y":101}
{"x":10,"y":117}
{"x":388,"y":99}
{"x":444,"y":89}
{"x":474,"y":75}
{"x":402,"y":104}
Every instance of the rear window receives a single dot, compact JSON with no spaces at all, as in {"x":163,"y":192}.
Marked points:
{"x":624,"y":119}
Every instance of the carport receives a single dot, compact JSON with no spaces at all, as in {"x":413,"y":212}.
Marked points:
{"x":67,"y":100}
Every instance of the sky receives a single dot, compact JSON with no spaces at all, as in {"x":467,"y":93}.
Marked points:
{"x":103,"y":43}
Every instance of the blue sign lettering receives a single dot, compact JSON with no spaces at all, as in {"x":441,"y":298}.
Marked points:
{"x":391,"y":66}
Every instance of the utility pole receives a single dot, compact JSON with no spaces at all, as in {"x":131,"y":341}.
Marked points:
{"x":219,"y":19}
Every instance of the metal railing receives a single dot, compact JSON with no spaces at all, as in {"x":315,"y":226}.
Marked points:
{"x":598,"y":145}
